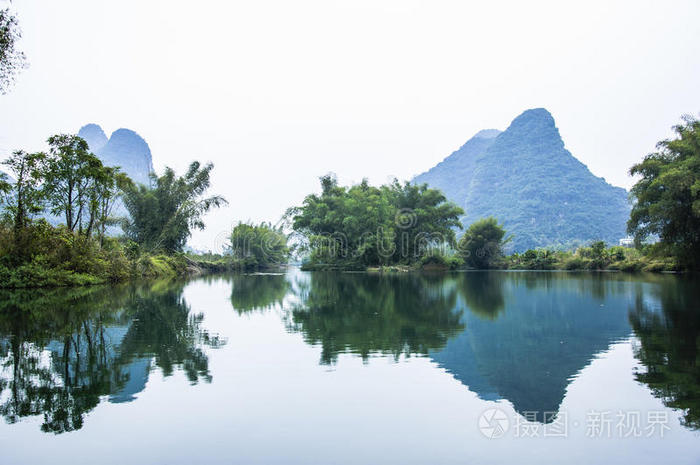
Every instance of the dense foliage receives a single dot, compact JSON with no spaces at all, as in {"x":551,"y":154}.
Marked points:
{"x":482,"y":243}
{"x":22,"y":197}
{"x":259,"y":246}
{"x":43,"y":255}
{"x":78,"y":186}
{"x":668,"y":194}
{"x":363,"y":225}
{"x":596,"y":257}
{"x":162,"y":216}
{"x":12,"y":60}
{"x":72,"y":184}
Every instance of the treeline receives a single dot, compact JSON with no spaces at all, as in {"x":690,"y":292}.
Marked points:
{"x":596,"y":257}
{"x":414,"y":226}
{"x":364,"y":226}
{"x":250,"y":247}
{"x":666,"y":208}
{"x":70,"y":186}
{"x":401,"y":226}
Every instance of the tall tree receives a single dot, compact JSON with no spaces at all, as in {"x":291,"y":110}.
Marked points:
{"x":667,"y":197}
{"x":23,"y":197}
{"x":162,"y":217}
{"x":70,"y":176}
{"x":110,"y":186}
{"x":363,"y":225}
{"x":482,"y":244}
{"x":262,"y":245}
{"x":12,"y":60}
{"x":5,"y":187}
{"x":424,"y":218}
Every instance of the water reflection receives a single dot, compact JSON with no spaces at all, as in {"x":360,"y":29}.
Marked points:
{"x":365,"y":314}
{"x":483,"y":293}
{"x":522,"y":337}
{"x":257,"y":291}
{"x":669,"y":346}
{"x":61,"y":350}
{"x":540,"y":330}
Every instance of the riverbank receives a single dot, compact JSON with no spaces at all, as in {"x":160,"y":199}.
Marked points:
{"x":39,"y":273}
{"x":596,"y":257}
{"x":145,"y":267}
{"x":44,"y":256}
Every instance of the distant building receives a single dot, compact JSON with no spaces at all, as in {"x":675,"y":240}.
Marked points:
{"x":627,"y":242}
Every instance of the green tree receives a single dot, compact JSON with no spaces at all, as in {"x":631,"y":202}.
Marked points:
{"x":599,"y":255}
{"x":667,"y":197}
{"x":348,"y":227}
{"x":109,"y":188}
{"x":70,"y":177}
{"x":12,"y":60}
{"x":259,"y":245}
{"x":481,"y":246}
{"x":5,"y":187}
{"x":363,"y":225}
{"x":23,"y":197}
{"x":162,"y":217}
{"x":424,"y":219}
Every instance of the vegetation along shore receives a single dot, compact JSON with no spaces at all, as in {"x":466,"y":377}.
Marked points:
{"x":68,"y":219}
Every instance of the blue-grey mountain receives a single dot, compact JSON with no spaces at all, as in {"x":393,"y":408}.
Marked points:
{"x":125,"y":148}
{"x":528,"y":180}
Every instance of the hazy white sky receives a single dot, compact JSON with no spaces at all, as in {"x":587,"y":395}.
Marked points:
{"x":276,"y":93}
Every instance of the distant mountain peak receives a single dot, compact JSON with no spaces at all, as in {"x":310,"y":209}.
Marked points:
{"x":125,"y":148}
{"x":535,"y":113}
{"x":525,"y":177}
{"x":533,"y":118}
{"x":487,"y":134}
{"x":94,"y":136}
{"x":535,"y":132}
{"x":127,"y":137}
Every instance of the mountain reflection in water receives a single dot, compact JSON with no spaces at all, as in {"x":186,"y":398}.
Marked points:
{"x":522,"y":337}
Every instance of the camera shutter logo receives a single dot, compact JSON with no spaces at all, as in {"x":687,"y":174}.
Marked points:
{"x":494,"y":423}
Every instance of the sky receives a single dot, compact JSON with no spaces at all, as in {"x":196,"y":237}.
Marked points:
{"x":278,"y":93}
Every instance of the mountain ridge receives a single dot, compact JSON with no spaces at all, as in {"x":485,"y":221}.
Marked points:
{"x":124,"y":148}
{"x":527,"y":179}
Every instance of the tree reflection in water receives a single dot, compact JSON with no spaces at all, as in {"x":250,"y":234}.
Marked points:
{"x":669,"y":346}
{"x":61,"y":350}
{"x":365,"y":314}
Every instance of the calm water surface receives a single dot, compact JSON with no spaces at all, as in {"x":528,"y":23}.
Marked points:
{"x":323,"y":368}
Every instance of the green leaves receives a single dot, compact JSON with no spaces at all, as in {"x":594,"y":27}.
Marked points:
{"x":12,"y":60}
{"x":77,"y":185}
{"x":260,"y":246}
{"x":668,"y":194}
{"x":162,"y":216}
{"x":482,"y":244}
{"x":23,"y":197}
{"x":362,"y":225}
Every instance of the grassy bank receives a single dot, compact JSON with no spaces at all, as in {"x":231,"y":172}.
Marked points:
{"x":42,"y":255}
{"x":596,"y":257}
